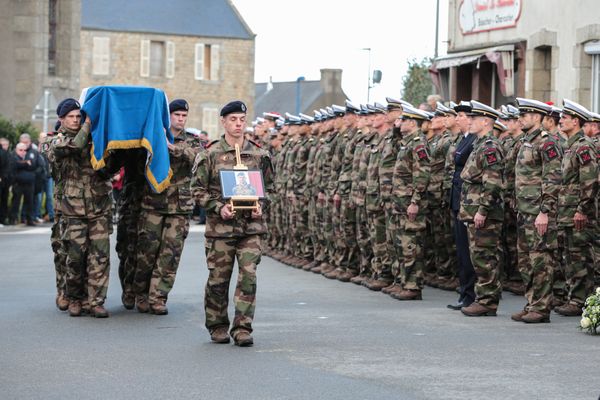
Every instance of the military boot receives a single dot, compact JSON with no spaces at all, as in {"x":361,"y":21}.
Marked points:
{"x":75,"y":308}
{"x":327,"y":268}
{"x":358,"y":279}
{"x":99,"y":312}
{"x":346,"y":276}
{"x":310,"y":266}
{"x":128,"y":300}
{"x":62,"y":302}
{"x":534,"y":317}
{"x":141,"y":303}
{"x":378,"y":284}
{"x":333,"y":274}
{"x":220,"y":335}
{"x":159,"y":308}
{"x":519,"y":316}
{"x":407,"y":294}
{"x":569,"y":310}
{"x":243,"y":339}
{"x":478,"y":310}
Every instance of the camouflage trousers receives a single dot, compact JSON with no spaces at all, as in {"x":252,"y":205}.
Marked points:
{"x":363,"y":240}
{"x":313,"y":229}
{"x":60,"y":255}
{"x":347,"y":229}
{"x":160,"y":243}
{"x":320,"y":214}
{"x":596,"y":251}
{"x":275,"y":222}
{"x":301,"y":234}
{"x":483,"y":246}
{"x":559,"y":286}
{"x":87,"y":246}
{"x":377,"y":235}
{"x":579,"y":264}
{"x":393,"y":255}
{"x":328,"y":233}
{"x":409,"y":237}
{"x":437,"y":259}
{"x":509,"y":268}
{"x":221,"y":254}
{"x":127,"y":236}
{"x":536,"y":263}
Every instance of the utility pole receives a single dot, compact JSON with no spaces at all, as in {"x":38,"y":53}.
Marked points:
{"x":368,"y":74}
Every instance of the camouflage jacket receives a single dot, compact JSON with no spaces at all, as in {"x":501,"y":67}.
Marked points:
{"x":510,"y":152}
{"x":86,"y":192}
{"x":47,"y":148}
{"x":206,"y":187}
{"x":313,"y":146}
{"x":325,"y":161}
{"x":359,"y":179}
{"x":389,"y":152}
{"x":411,"y":171}
{"x":177,"y":197}
{"x":337,"y":155}
{"x":537,"y":174}
{"x":280,"y":183}
{"x":439,"y":149}
{"x":316,"y":167}
{"x":285,"y":173}
{"x":297,"y":181}
{"x":372,"y":188}
{"x":483,"y":176}
{"x":579,"y":179}
{"x":345,"y":178}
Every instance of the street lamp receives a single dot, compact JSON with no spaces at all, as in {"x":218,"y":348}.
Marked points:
{"x":368,"y":74}
{"x":298,"y":80}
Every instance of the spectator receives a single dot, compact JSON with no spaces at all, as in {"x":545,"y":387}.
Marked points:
{"x":41,"y":174}
{"x":24,"y":164}
{"x":5,"y":176}
{"x":47,"y":184}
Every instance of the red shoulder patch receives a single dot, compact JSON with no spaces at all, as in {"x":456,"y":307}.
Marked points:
{"x":421,"y":151}
{"x":583,"y":153}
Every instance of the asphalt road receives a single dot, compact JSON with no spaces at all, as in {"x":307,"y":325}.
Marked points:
{"x":314,"y":339}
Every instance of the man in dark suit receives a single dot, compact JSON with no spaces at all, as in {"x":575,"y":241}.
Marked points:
{"x":466,"y":273}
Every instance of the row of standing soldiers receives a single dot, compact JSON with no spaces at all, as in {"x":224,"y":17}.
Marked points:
{"x":393,"y":197}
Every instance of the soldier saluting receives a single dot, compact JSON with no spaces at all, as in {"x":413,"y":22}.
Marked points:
{"x":230,"y":234}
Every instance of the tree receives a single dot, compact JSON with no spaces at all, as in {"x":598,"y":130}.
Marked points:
{"x":417,"y":84}
{"x":11,"y":130}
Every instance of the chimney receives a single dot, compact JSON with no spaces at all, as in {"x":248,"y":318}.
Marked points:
{"x":331,"y":80}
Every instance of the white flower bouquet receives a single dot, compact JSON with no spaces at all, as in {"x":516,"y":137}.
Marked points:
{"x":590,"y":319}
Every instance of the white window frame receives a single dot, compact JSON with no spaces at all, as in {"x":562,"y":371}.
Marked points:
{"x":215,"y":60}
{"x":592,"y":48}
{"x":170,"y":60}
{"x":210,"y":121}
{"x":199,"y":62}
{"x":145,"y":58}
{"x":100,"y":55}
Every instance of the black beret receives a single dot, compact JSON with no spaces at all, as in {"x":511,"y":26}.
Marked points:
{"x":66,"y":106}
{"x":57,"y":125}
{"x":233,"y":107}
{"x":178,"y":105}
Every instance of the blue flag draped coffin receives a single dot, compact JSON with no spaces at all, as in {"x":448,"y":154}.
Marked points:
{"x":126,"y":117}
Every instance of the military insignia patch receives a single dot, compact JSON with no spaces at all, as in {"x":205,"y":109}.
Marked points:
{"x":584,"y":155}
{"x":550,"y":150}
{"x":421,"y":152}
{"x":491,"y":156}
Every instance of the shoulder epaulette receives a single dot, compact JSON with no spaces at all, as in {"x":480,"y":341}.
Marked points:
{"x":417,"y":138}
{"x":254,"y":143}
{"x":211,"y":143}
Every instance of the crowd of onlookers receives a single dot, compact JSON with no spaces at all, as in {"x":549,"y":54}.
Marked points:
{"x":25,"y":183}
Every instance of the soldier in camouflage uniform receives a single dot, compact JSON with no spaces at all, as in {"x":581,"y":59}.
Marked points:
{"x":362,"y":153}
{"x":576,"y":206}
{"x":165,"y":220}
{"x":86,"y":210}
{"x":380,"y":263}
{"x":511,"y":144}
{"x":592,"y":130}
{"x":278,"y":203}
{"x":482,"y":209}
{"x":347,"y":259}
{"x":537,"y":182}
{"x":231,"y":234}
{"x":410,"y":181}
{"x":56,"y":240}
{"x":387,"y":162}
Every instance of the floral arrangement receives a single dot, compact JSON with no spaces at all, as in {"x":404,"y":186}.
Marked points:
{"x":590,"y":319}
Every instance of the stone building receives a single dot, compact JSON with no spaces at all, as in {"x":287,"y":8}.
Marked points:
{"x":300,"y":95}
{"x":39,"y":52}
{"x":501,"y":49}
{"x":200,"y":50}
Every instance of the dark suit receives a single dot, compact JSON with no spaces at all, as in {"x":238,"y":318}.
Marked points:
{"x":466,"y":273}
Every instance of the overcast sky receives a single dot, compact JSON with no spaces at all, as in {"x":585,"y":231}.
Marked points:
{"x":298,"y":38}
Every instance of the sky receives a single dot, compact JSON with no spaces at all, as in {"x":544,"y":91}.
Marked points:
{"x":299,"y":38}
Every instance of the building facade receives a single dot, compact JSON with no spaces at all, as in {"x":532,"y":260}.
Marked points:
{"x":501,"y":49}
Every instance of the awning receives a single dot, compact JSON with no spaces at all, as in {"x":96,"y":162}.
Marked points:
{"x":502,"y":56}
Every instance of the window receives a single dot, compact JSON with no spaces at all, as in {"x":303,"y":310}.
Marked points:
{"x":52,"y":23}
{"x":157,"y":59}
{"x":101,"y":56}
{"x":593,"y":49}
{"x":207,"y":62}
{"x":210,"y":122}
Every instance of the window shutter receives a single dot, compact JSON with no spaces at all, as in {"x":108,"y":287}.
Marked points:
{"x":101,"y":56}
{"x":145,"y":58}
{"x":199,"y":62}
{"x":210,"y":122}
{"x":214,"y":62}
{"x":170,"y":66}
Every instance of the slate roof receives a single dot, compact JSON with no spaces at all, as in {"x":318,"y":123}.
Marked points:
{"x":282,"y":97}
{"x":205,"y":18}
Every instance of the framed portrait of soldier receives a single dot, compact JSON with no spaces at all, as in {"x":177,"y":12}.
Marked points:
{"x":242,"y":184}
